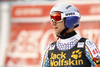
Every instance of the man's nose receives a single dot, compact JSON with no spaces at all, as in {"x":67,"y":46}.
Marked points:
{"x":53,"y":22}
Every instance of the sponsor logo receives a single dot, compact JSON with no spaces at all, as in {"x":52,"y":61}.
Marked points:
{"x":96,"y":60}
{"x":95,"y":51}
{"x":89,"y":43}
{"x":68,"y":6}
{"x":69,"y":14}
{"x":80,"y":45}
{"x":76,"y":54}
{"x":52,"y":47}
{"x":61,"y":60}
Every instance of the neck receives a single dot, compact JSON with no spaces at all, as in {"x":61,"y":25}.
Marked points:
{"x":70,"y":30}
{"x":66,"y":34}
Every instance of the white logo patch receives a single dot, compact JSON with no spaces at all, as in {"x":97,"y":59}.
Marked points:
{"x":80,"y":45}
{"x":52,"y":47}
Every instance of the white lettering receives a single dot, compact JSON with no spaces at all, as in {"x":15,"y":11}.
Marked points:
{"x":26,"y":44}
{"x":28,"y":11}
{"x":95,"y":9}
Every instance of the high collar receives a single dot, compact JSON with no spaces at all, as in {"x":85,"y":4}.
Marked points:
{"x":67,"y":35}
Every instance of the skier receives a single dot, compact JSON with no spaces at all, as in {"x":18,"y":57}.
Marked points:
{"x":70,"y":50}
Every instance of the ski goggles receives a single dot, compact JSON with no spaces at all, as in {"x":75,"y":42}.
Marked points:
{"x":57,"y":17}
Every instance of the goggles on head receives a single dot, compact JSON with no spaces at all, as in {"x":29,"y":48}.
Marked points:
{"x":57,"y":17}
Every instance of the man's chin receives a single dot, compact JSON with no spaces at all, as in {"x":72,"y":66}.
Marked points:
{"x":57,"y":34}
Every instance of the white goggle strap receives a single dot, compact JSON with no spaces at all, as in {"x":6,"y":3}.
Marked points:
{"x":69,"y":14}
{"x":52,"y":20}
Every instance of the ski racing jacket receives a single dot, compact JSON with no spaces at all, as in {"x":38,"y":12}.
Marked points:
{"x":73,"y":51}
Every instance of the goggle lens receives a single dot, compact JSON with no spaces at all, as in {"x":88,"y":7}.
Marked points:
{"x":56,"y":18}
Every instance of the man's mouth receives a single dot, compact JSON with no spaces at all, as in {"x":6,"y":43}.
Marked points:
{"x":55,"y":27}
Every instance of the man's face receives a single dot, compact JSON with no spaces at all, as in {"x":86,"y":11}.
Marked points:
{"x":58,"y":26}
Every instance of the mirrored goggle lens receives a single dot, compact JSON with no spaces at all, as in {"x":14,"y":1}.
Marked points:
{"x":56,"y":18}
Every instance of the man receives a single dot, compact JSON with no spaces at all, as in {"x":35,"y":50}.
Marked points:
{"x":70,"y":50}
